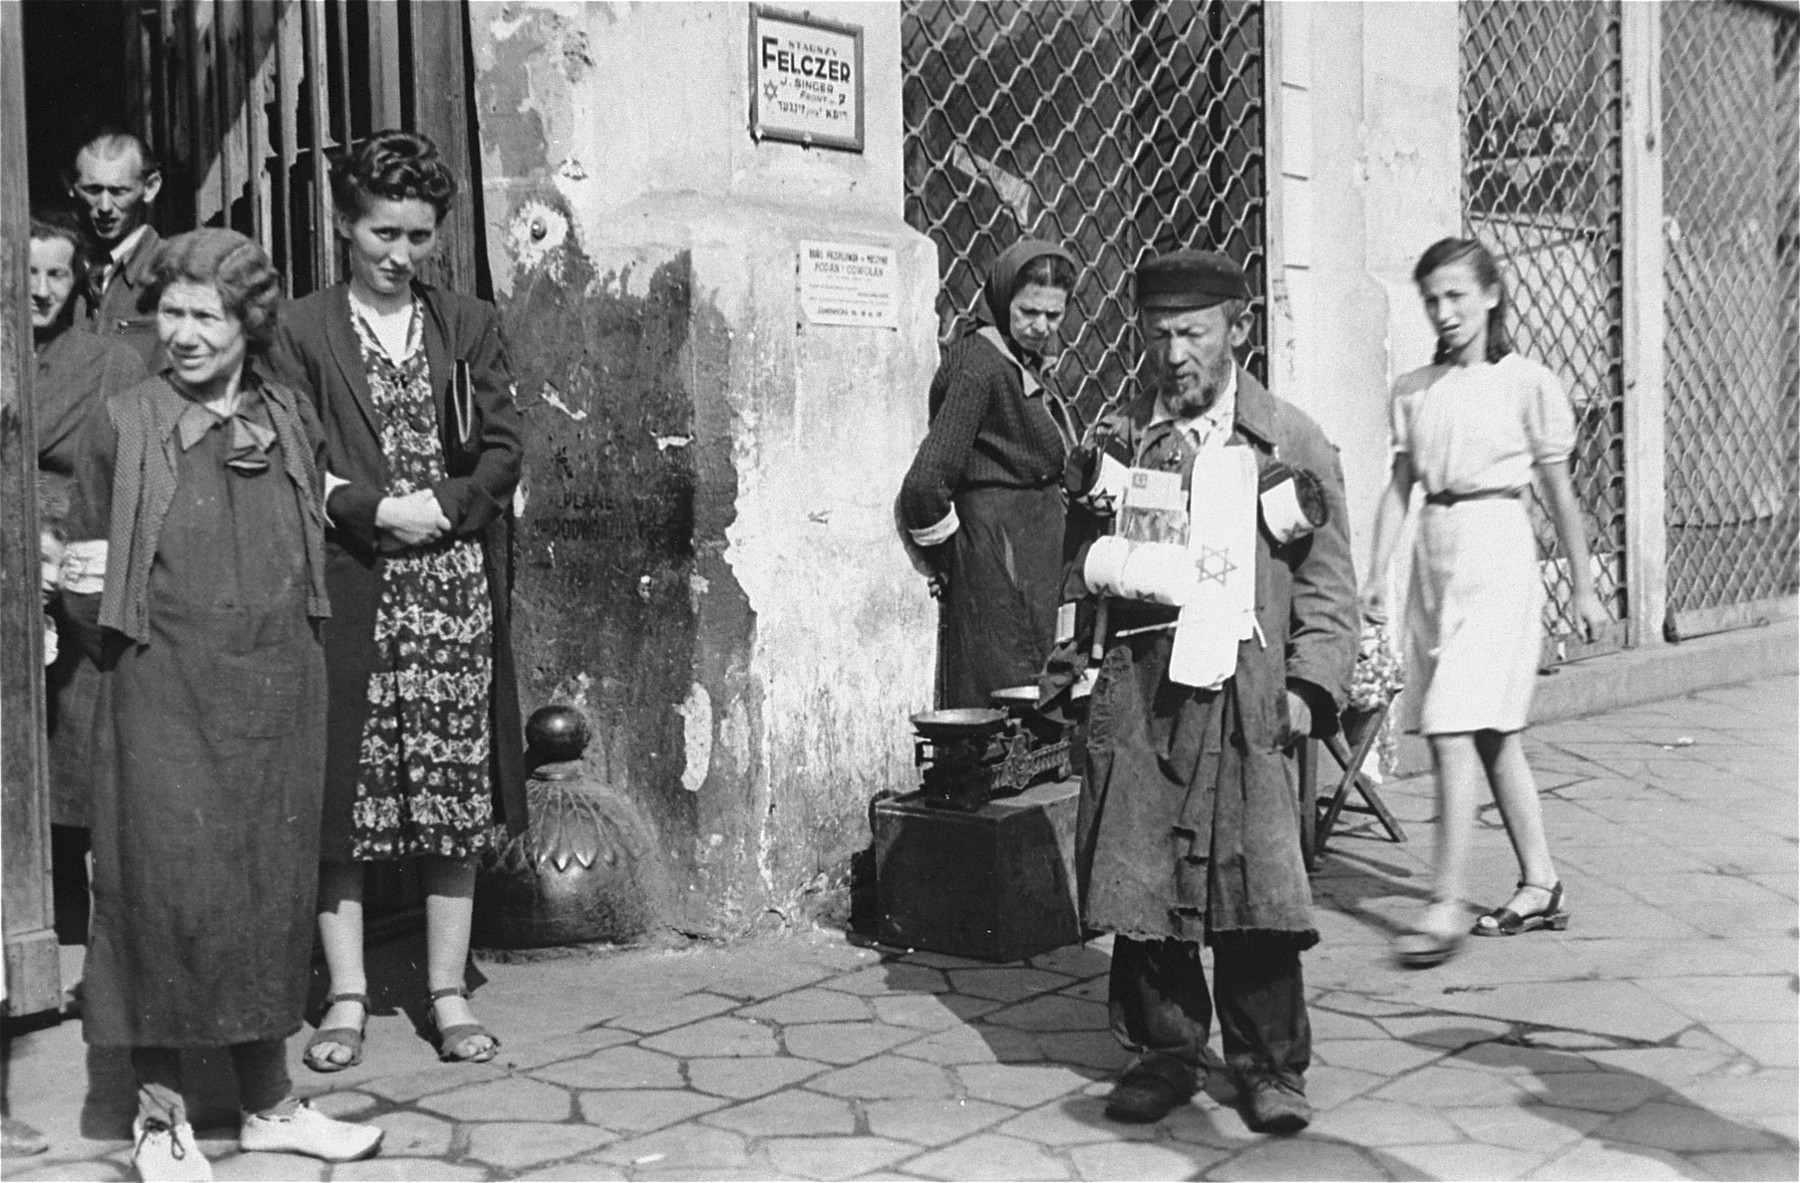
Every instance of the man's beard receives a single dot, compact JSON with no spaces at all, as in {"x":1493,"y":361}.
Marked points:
{"x":1185,"y":404}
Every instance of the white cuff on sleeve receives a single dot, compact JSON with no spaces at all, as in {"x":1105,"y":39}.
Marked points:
{"x":84,"y":568}
{"x":333,"y":482}
{"x":938,"y":532}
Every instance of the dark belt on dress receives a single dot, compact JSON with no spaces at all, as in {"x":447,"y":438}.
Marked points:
{"x":1447,"y":498}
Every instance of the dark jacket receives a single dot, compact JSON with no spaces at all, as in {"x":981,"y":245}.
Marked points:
{"x":316,"y":350}
{"x":76,"y":373}
{"x":123,"y":311}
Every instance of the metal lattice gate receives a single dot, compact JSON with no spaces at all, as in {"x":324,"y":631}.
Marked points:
{"x":1115,"y":129}
{"x":1730,"y":120}
{"x":1541,"y":189}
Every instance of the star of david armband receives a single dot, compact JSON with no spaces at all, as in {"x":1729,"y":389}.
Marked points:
{"x":1292,"y":501}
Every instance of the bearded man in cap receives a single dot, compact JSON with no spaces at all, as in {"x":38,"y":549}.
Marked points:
{"x":1229,"y":629}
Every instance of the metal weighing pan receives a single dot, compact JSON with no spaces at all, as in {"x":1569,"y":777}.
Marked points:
{"x":959,"y":722}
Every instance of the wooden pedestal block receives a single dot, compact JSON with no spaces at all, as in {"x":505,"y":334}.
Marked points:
{"x":997,"y":884}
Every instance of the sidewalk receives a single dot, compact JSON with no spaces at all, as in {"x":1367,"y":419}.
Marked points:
{"x":1655,"y":1039}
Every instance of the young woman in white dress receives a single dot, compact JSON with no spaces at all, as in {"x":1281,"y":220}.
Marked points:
{"x":1473,"y":428}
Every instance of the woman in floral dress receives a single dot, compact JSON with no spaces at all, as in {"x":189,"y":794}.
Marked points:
{"x":422,"y":455}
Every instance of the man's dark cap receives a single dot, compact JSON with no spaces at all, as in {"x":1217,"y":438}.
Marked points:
{"x":1189,"y":279}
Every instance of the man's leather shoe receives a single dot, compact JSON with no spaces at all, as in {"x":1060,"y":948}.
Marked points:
{"x":1149,"y":1092}
{"x":1275,"y":1108}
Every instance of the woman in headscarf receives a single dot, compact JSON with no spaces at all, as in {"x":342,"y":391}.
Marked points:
{"x":982,"y":504}
{"x":197,"y":548}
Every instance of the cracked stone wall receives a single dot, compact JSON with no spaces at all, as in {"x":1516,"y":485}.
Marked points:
{"x":706,"y":560}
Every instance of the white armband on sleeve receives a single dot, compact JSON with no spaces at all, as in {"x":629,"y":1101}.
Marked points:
{"x":83,"y":571}
{"x":333,"y":482}
{"x":938,"y":532}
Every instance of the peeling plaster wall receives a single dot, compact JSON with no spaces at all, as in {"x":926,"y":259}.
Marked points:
{"x":706,"y":558}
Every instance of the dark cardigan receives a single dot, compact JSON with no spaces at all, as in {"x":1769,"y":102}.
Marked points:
{"x":316,"y":351}
{"x":985,"y":431}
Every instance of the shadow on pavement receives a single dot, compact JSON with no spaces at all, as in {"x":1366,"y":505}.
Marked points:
{"x":396,"y":986}
{"x":1211,"y":1134}
{"x":1347,"y":879}
{"x":1643,"y":1116}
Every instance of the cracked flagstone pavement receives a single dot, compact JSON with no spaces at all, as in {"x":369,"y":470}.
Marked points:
{"x":1655,"y":1039}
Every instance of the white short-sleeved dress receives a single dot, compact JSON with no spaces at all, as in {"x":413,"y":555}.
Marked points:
{"x":1474,"y":609}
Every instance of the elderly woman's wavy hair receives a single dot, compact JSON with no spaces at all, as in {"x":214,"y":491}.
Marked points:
{"x":391,"y":166}
{"x":236,"y":267}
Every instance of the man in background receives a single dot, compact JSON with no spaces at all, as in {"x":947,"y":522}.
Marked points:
{"x":114,"y":179}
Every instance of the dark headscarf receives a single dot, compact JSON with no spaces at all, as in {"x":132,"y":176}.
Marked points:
{"x":1003,"y":280}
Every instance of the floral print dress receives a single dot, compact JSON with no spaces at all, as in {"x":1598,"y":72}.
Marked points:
{"x":423,"y":780}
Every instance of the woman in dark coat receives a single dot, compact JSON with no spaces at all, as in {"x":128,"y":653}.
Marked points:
{"x":196,"y":559}
{"x":422,"y":456}
{"x":982,"y":504}
{"x":77,"y":371}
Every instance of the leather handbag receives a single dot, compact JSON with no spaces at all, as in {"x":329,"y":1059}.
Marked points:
{"x":462,"y":426}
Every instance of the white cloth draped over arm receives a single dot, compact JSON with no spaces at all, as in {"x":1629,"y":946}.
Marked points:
{"x":83,"y":571}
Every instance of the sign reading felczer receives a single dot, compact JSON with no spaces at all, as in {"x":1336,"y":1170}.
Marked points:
{"x":805,"y":80}
{"x":849,"y":283}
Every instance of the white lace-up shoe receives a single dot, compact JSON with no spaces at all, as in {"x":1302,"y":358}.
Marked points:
{"x":307,"y":1131}
{"x":160,"y":1151}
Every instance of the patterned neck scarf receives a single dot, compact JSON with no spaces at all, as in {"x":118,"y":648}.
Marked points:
{"x":252,"y":434}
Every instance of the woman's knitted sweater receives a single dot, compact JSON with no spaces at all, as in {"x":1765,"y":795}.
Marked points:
{"x":985,"y":431}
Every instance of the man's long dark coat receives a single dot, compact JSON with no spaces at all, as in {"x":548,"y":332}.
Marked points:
{"x":1189,"y":823}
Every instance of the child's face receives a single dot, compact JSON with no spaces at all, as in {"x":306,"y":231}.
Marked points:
{"x":50,"y":557}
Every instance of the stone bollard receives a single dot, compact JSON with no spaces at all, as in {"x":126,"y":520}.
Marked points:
{"x":584,"y":868}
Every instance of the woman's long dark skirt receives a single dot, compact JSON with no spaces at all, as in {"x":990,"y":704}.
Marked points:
{"x":999,"y":613}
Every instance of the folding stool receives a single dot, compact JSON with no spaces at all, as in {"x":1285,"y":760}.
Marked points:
{"x":1317,"y":821}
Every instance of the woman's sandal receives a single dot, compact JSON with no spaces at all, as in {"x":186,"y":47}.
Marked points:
{"x":451,"y":1040}
{"x":1504,"y":922}
{"x":346,"y":1037}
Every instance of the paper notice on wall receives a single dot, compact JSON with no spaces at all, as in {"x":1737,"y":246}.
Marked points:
{"x":849,"y":283}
